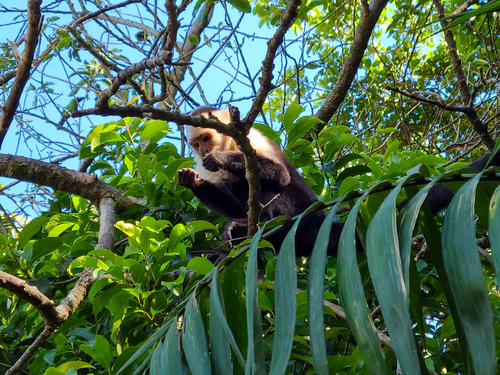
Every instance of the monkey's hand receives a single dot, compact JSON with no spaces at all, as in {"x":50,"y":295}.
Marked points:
{"x":214,"y":161}
{"x":189,"y":178}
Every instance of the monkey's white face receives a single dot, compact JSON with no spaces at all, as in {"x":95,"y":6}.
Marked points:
{"x":204,"y":141}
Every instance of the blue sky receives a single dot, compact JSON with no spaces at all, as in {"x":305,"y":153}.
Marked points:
{"x":214,"y":82}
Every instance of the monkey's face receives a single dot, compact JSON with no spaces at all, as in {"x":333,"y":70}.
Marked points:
{"x":205,"y":141}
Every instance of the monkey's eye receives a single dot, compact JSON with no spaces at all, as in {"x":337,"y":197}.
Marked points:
{"x":206,"y":138}
{"x":196,"y":145}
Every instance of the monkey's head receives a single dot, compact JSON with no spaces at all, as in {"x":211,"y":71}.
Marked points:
{"x":204,"y":141}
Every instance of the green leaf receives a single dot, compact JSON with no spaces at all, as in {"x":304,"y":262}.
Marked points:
{"x":384,"y":263}
{"x":291,"y":114}
{"x":241,"y":5}
{"x":201,"y":225}
{"x":30,"y":230}
{"x":179,"y":232}
{"x":193,"y":39}
{"x":200,"y":265}
{"x":53,"y":371}
{"x":232,"y":286}
{"x":105,"y":138}
{"x":491,"y":7}
{"x":74,"y":365}
{"x":100,"y":352}
{"x":153,"y":339}
{"x":285,"y":303}
{"x":255,"y":363}
{"x":153,"y":127}
{"x":220,"y":335}
{"x":493,"y":231}
{"x":300,"y":129}
{"x":194,"y":339}
{"x":462,"y":263}
{"x":315,"y":288}
{"x":157,"y":363}
{"x":407,"y":220}
{"x":45,"y":246}
{"x":353,"y":296}
{"x":349,"y":184}
{"x":172,"y":351}
{"x":353,"y":171}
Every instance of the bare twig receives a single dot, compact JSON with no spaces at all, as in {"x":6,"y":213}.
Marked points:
{"x":187,"y":49}
{"x":429,"y":101}
{"x":23,"y":69}
{"x":123,"y":75}
{"x":102,"y":10}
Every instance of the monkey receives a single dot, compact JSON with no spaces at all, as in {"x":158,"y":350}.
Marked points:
{"x":219,"y":182}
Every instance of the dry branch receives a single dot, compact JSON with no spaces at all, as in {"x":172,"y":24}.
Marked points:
{"x":123,"y":75}
{"x":63,"y":179}
{"x":23,"y":69}
{"x":369,"y":18}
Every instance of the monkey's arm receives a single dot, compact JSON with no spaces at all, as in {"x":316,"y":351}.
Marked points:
{"x":233,"y":162}
{"x":218,"y":199}
{"x":440,"y":196}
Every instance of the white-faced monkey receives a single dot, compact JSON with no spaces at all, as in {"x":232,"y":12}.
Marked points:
{"x":220,"y":184}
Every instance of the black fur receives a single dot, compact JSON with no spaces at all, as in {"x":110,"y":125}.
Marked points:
{"x":284,"y":192}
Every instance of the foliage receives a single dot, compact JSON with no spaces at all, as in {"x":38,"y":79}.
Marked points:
{"x":159,"y":303}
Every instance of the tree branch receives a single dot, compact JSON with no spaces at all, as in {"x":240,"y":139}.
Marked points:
{"x":123,"y":75}
{"x":286,"y":21}
{"x":467,"y":99}
{"x":30,"y":294}
{"x":369,"y":18}
{"x":23,"y":69}
{"x":54,"y":317}
{"x":252,"y":172}
{"x":63,"y":179}
{"x":187,"y":49}
{"x":429,"y":101}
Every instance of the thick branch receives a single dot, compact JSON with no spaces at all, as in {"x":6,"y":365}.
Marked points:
{"x":286,"y":21}
{"x":160,"y":114}
{"x":472,"y":115}
{"x":30,"y":294}
{"x":23,"y":69}
{"x":369,"y":18}
{"x":60,"y":178}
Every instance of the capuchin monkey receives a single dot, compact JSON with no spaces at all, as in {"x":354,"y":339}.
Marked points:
{"x":219,"y":183}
